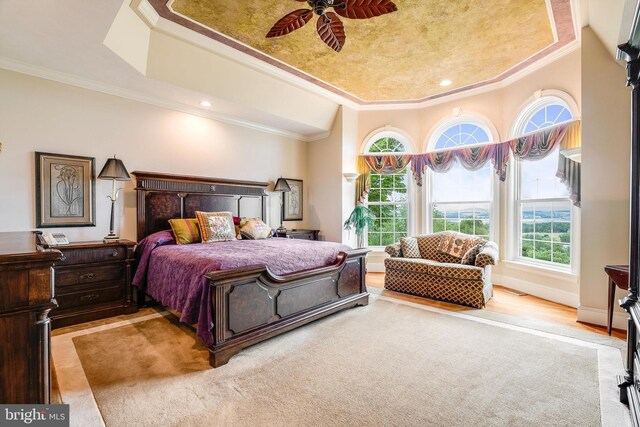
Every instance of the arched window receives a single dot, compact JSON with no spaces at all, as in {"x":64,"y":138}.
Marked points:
{"x":389,"y":197}
{"x":461,"y":200}
{"x":460,"y":135}
{"x":543,"y":210}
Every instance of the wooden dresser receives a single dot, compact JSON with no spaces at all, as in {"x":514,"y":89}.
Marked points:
{"x":26,"y":297}
{"x":301,"y":234}
{"x":93,"y":281}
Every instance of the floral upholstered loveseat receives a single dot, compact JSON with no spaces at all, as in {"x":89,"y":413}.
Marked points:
{"x":444,"y":266}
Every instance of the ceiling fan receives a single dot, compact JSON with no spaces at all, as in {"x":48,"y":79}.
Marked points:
{"x":330,"y":27}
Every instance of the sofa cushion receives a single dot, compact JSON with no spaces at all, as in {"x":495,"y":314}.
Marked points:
{"x":456,"y":244}
{"x":409,"y":246}
{"x":428,"y":245}
{"x":455,"y":271}
{"x":417,"y":265}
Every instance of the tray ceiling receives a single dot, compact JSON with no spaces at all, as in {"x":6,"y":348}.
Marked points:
{"x":396,"y":58}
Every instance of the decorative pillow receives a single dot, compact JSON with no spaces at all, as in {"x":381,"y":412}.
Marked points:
{"x":456,"y":244}
{"x":409,"y":247}
{"x":469,"y":257}
{"x":246,"y":219}
{"x":255,"y":229}
{"x":216,"y":226}
{"x":185,"y":230}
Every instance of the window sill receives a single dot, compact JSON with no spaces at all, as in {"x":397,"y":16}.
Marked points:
{"x":543,"y":270}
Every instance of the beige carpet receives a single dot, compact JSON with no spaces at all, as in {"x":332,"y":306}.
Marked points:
{"x":385,"y":364}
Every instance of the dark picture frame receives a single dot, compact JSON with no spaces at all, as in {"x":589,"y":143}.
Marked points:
{"x":65,"y":190}
{"x":293,"y":201}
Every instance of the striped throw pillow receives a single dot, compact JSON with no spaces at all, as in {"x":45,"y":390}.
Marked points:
{"x":185,"y":230}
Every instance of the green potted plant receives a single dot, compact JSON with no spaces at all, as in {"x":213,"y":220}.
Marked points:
{"x":359,"y":219}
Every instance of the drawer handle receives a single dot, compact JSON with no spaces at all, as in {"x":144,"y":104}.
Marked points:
{"x":90,"y":297}
{"x":63,"y":258}
{"x":88,"y":276}
{"x":114,"y":253}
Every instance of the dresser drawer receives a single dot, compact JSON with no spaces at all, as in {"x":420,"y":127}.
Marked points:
{"x":91,"y":255}
{"x":66,"y":276}
{"x":87,"y":297}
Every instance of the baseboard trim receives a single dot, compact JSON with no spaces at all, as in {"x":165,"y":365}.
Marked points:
{"x":572,"y":299}
{"x":598,"y":316}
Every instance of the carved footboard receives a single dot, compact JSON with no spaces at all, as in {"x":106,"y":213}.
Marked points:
{"x":251,"y":304}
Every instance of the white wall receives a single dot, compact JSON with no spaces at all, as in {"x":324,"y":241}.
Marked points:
{"x":324,"y":160}
{"x":40,"y":115}
{"x":606,"y":112}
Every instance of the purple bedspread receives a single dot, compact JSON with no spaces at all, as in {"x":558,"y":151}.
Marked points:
{"x":174,"y":274}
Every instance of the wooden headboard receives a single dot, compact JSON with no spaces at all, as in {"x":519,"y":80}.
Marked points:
{"x":162,"y":197}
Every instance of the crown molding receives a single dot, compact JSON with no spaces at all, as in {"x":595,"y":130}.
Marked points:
{"x":73,"y":80}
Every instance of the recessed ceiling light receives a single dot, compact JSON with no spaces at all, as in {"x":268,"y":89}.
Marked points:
{"x":445,"y":83}
{"x":205,"y":104}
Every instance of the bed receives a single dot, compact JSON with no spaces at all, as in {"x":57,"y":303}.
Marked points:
{"x":241,"y":302}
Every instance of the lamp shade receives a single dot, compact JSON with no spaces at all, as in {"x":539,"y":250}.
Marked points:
{"x":114,"y":169}
{"x":281,"y":185}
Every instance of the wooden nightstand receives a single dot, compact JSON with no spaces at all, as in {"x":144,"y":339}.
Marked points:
{"x":301,"y":234}
{"x":93,"y":281}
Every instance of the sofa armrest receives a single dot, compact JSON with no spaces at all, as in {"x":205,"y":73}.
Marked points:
{"x":394,"y":250}
{"x":488,"y":255}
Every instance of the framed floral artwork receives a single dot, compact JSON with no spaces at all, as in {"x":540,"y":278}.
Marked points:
{"x":292,"y":205}
{"x":65,"y":191}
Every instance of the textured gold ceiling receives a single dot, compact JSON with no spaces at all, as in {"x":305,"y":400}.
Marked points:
{"x":399,"y":56}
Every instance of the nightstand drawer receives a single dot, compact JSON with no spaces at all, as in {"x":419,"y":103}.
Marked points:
{"x":91,"y":255}
{"x":89,"y":274}
{"x":86,"y":297}
{"x":303,"y":236}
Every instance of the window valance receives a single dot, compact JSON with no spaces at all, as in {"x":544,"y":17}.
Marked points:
{"x":530,"y":147}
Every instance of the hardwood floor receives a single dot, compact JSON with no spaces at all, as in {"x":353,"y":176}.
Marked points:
{"x":506,"y":301}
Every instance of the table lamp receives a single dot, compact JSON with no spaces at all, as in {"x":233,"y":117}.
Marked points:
{"x":114,"y":170}
{"x":282,"y":186}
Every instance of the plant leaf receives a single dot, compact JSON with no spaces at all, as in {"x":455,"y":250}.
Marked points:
{"x":290,"y":22}
{"x":364,"y":9}
{"x":331,"y":31}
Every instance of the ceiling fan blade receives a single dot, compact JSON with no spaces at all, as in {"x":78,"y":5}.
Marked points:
{"x":364,"y":9}
{"x":331,"y":31}
{"x":290,"y":22}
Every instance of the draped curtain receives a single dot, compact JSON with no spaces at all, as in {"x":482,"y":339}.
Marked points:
{"x":363,"y":182}
{"x":388,"y":164}
{"x":534,"y":146}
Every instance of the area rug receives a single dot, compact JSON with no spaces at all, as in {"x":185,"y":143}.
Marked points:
{"x":390,"y":363}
